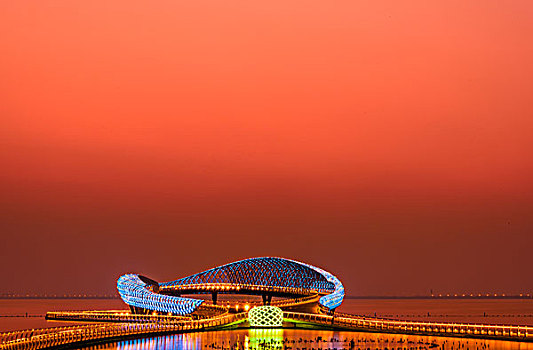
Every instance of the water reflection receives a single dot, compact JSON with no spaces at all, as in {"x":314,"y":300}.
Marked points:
{"x":291,"y":339}
{"x":264,"y":339}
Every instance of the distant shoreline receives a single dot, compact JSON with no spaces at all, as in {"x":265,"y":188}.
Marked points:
{"x":355,"y":297}
{"x":5,"y":297}
{"x":429,"y":297}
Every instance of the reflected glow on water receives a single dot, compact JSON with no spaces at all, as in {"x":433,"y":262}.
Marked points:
{"x":13,"y":312}
{"x":267,"y":339}
{"x":291,"y":339}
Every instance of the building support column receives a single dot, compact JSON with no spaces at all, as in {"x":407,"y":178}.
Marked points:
{"x":267,"y":299}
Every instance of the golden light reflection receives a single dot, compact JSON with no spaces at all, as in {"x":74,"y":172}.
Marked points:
{"x":265,"y":338}
{"x":293,"y":339}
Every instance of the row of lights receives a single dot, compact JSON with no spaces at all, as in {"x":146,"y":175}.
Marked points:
{"x":57,"y":296}
{"x":209,"y":286}
{"x":205,"y":287}
{"x":452,"y":325}
{"x":480,"y":295}
{"x":246,"y":307}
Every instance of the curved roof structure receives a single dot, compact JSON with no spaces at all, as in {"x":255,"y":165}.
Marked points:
{"x":276,"y":272}
{"x":266,"y":272}
{"x":136,"y":292}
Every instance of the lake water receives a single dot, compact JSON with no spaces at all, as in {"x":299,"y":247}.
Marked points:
{"x":24,"y":314}
{"x":500,"y":311}
{"x":493,"y":311}
{"x":288,"y":339}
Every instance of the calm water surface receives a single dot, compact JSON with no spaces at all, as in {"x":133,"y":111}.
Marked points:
{"x":24,"y":314}
{"x":13,"y":311}
{"x":278,"y":339}
{"x":493,"y":311}
{"x":29,"y":313}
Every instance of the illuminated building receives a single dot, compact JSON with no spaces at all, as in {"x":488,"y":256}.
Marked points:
{"x":265,"y":316}
{"x":292,"y":282}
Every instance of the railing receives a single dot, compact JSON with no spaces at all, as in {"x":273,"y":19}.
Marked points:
{"x":217,"y":309}
{"x":50,"y":337}
{"x":111,"y":316}
{"x":36,"y":339}
{"x":286,"y":302}
{"x":295,"y":302}
{"x":229,"y":287}
{"x":124,"y":316}
{"x":523,"y":333}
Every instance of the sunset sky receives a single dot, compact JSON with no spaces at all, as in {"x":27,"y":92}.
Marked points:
{"x":389,"y":142}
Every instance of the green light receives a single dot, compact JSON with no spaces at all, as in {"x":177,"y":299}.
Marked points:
{"x":265,"y":316}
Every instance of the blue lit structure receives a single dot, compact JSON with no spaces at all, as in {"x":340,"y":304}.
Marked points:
{"x":135,"y":292}
{"x":267,"y":274}
{"x":334,"y":299}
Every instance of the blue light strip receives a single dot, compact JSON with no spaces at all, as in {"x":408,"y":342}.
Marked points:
{"x":136,"y":293}
{"x":333,"y":300}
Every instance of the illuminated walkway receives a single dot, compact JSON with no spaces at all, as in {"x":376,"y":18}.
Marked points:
{"x":159,"y":325}
{"x":104,"y":332}
{"x":294,"y":295}
{"x":366,"y":324}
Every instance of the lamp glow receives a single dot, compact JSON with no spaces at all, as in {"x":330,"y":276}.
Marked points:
{"x":265,"y":316}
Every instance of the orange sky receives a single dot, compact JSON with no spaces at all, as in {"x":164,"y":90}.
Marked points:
{"x":389,"y":142}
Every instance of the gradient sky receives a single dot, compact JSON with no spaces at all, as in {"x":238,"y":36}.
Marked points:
{"x":389,"y":142}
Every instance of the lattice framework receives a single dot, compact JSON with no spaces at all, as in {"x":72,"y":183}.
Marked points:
{"x":265,"y":316}
{"x":268,"y":271}
{"x":265,"y":272}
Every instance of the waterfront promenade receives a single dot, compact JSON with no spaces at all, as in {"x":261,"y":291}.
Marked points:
{"x":118,"y":326}
{"x":280,"y":293}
